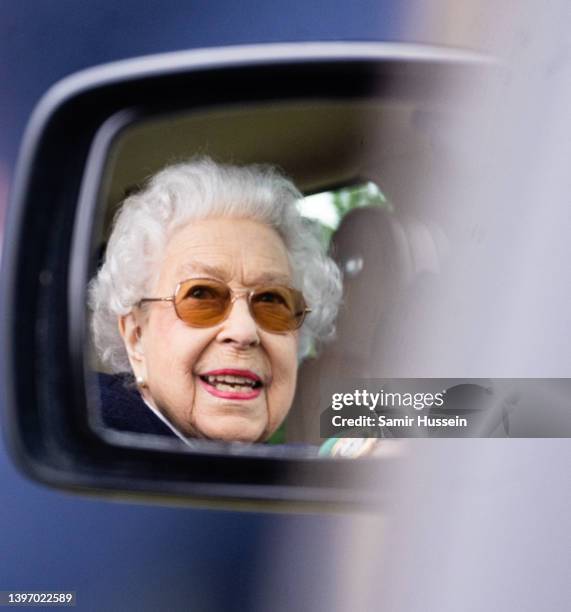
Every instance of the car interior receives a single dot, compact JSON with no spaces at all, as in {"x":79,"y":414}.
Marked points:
{"x":371,"y":158}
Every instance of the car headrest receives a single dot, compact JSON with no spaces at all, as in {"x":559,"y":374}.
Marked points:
{"x":380,"y":256}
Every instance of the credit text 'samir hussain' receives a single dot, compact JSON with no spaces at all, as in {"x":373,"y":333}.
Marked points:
{"x":421,"y":420}
{"x":382,"y":420}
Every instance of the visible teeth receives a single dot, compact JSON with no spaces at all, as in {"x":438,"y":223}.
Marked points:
{"x":226,"y":380}
{"x":223,"y":387}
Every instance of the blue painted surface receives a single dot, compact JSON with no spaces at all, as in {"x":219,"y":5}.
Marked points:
{"x":128,"y":556}
{"x":41,"y":42}
{"x":135,"y":557}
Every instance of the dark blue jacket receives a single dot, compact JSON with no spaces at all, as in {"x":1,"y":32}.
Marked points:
{"x":123,"y":409}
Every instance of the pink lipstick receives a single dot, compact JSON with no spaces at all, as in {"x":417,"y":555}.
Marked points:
{"x":232,"y":383}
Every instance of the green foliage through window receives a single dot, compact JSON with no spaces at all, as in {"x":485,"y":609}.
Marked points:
{"x":326,"y":209}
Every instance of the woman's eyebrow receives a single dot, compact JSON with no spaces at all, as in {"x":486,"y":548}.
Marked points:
{"x":190,"y":269}
{"x":270,"y":278}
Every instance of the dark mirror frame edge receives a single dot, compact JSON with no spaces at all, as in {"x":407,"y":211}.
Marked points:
{"x":46,"y":262}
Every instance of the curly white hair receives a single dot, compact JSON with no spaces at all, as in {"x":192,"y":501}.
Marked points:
{"x":198,"y":189}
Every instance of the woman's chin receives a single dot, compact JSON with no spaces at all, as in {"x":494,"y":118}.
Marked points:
{"x":233,"y":429}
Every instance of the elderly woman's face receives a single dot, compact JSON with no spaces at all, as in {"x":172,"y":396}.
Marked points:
{"x":175,"y":359}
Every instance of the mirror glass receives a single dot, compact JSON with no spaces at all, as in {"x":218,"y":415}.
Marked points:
{"x":214,"y":358}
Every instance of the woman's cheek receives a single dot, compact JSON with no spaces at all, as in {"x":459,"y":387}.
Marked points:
{"x":178,"y":347}
{"x":284,"y":381}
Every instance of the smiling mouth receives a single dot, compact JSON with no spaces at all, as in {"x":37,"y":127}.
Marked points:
{"x":232,"y":384}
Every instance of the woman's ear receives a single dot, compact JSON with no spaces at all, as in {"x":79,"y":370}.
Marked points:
{"x":130,"y":330}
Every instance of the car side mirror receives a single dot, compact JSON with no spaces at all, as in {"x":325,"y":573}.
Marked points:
{"x":79,"y":156}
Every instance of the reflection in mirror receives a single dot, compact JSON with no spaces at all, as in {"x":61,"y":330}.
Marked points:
{"x":247,"y":254}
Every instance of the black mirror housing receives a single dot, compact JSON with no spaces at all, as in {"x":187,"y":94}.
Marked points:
{"x":48,"y":258}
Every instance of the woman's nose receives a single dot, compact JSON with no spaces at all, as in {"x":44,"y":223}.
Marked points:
{"x":239,"y":327}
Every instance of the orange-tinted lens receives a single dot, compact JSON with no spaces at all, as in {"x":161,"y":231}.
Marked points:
{"x":202,"y":302}
{"x":278,"y":309}
{"x":205,"y":302}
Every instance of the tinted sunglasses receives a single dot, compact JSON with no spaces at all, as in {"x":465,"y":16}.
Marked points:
{"x":204,"y":302}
